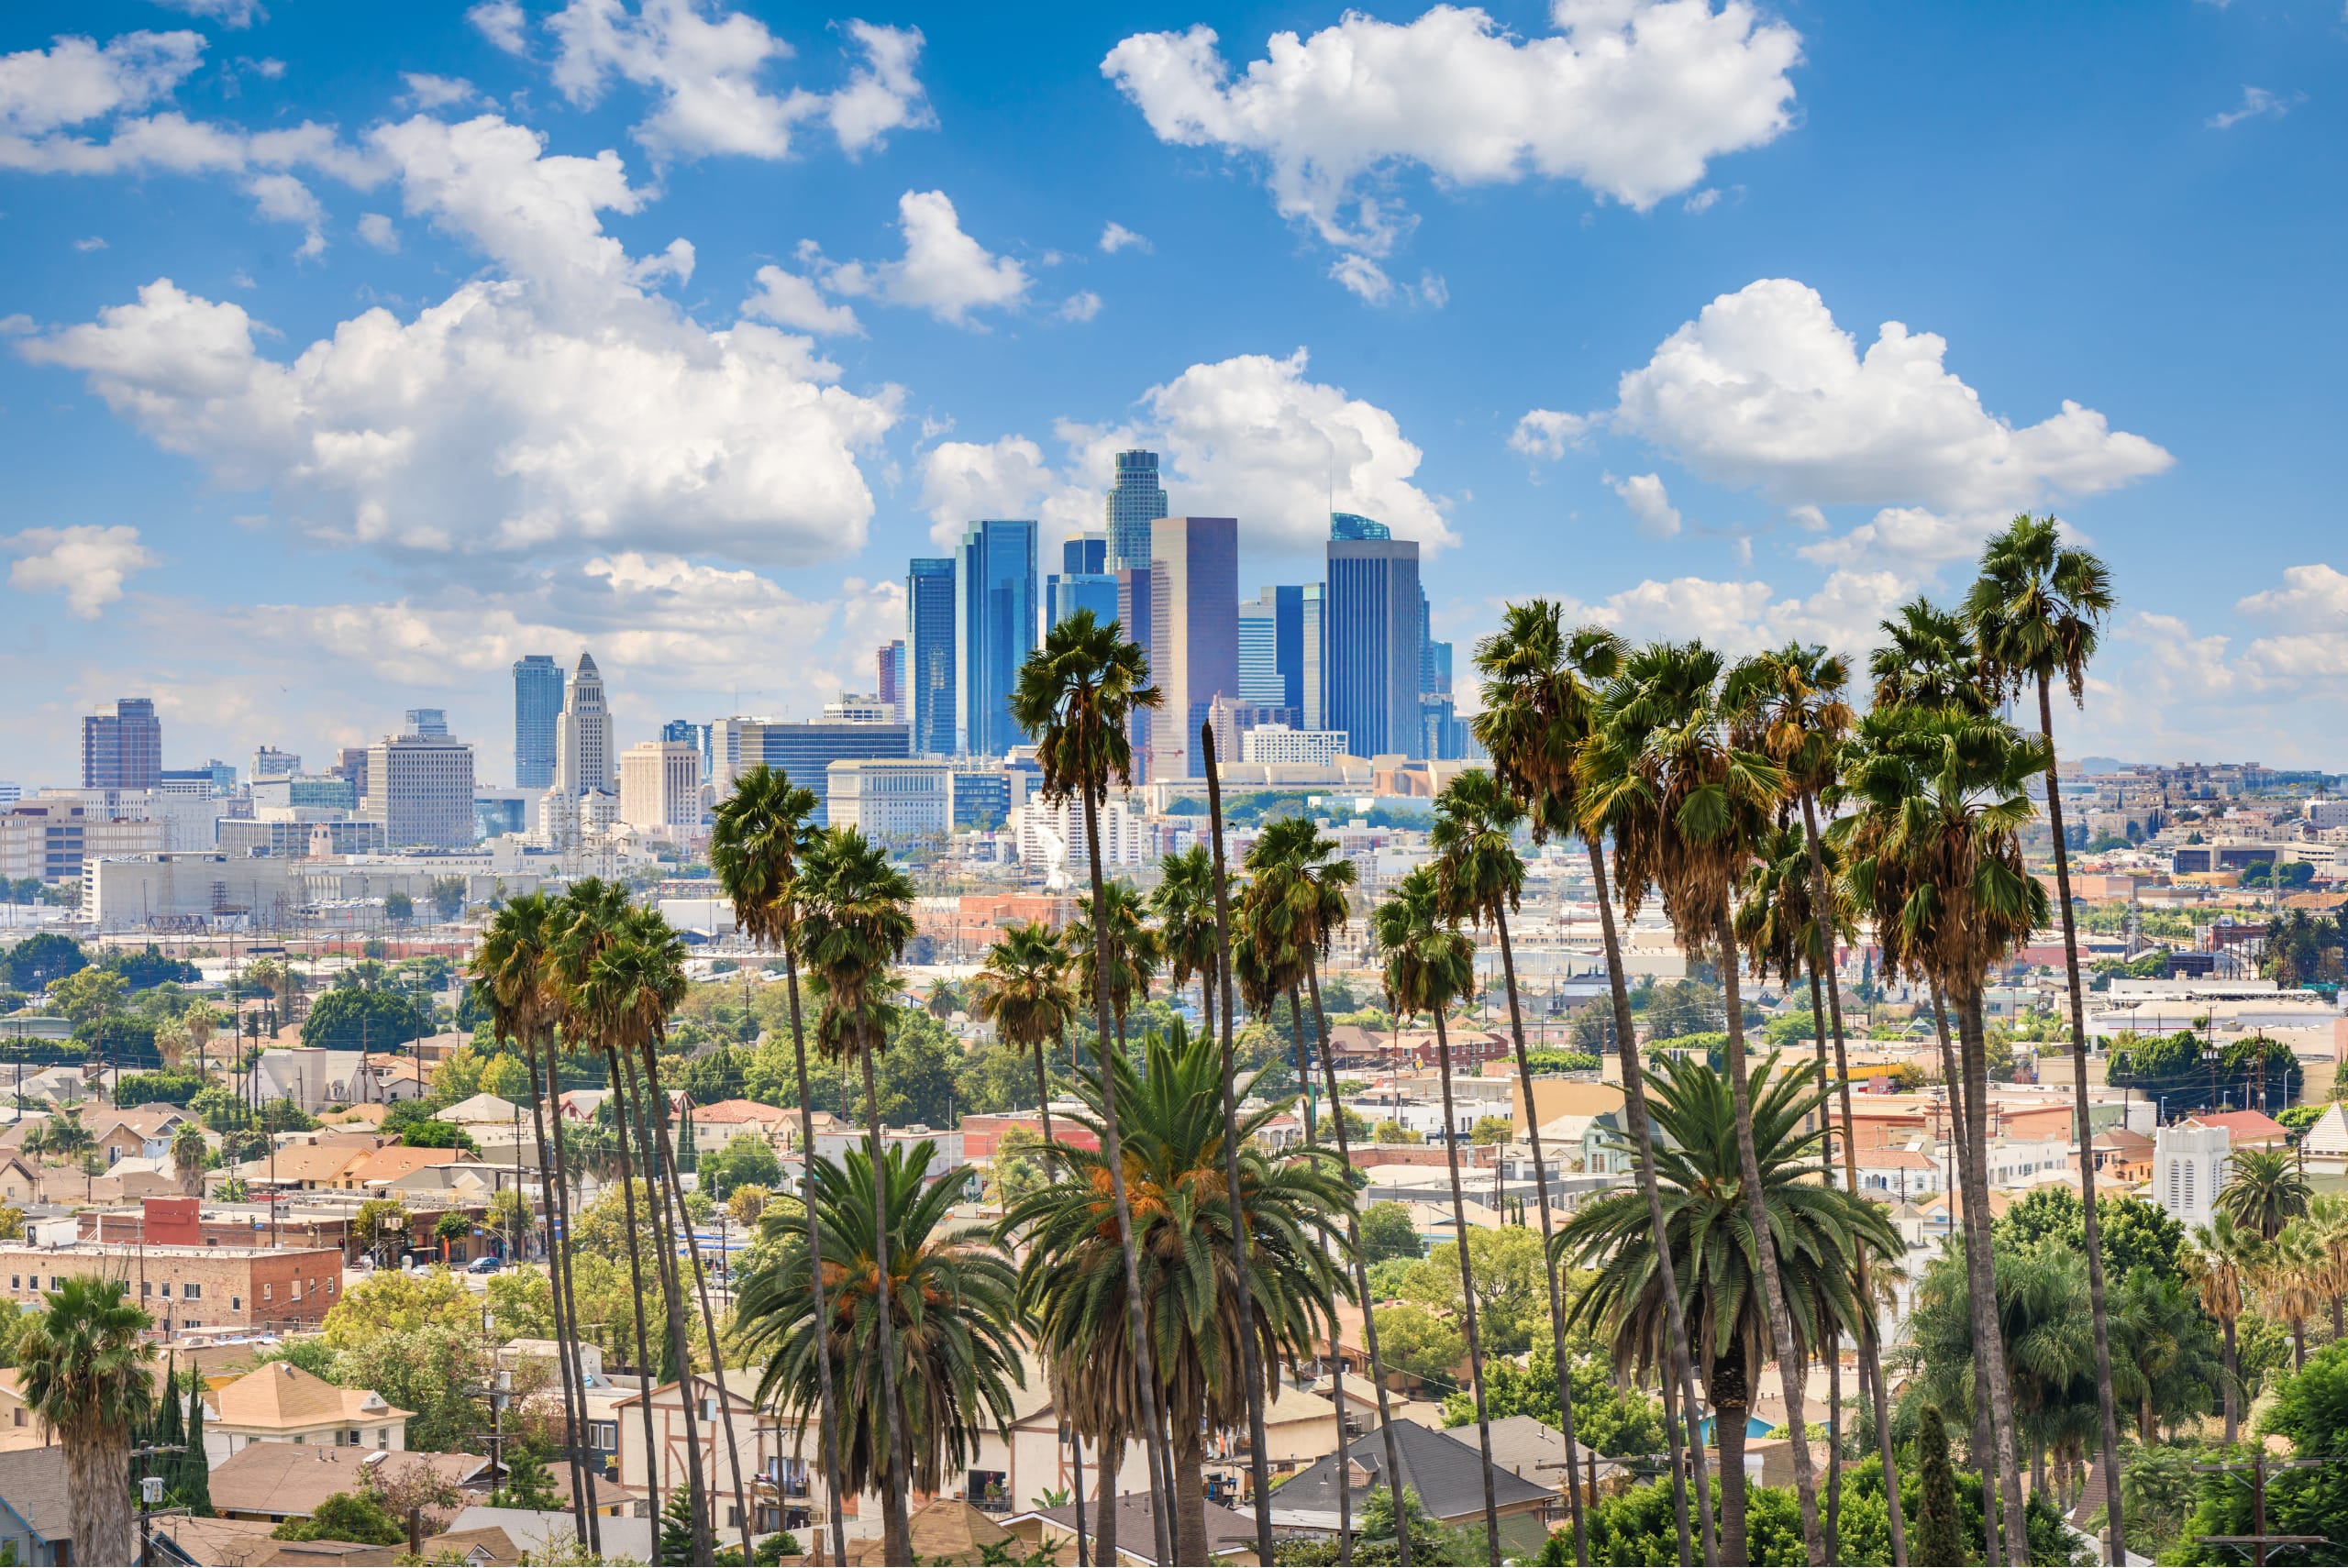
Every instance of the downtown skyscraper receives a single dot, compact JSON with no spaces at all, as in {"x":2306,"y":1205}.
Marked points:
{"x":1084,"y":581}
{"x":1373,"y":631}
{"x":930,"y":694}
{"x":585,"y":759}
{"x":1194,"y":633}
{"x":122,"y":746}
{"x":994,"y":629}
{"x":1135,"y":502}
{"x":537,"y":708}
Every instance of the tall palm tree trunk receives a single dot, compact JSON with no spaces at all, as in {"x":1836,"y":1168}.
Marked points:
{"x":2233,"y":1382}
{"x":1044,"y":1112}
{"x":1990,"y":1349}
{"x":1353,"y":1247}
{"x":1634,"y":1111}
{"x":1337,"y":1347}
{"x":1189,"y":1491}
{"x":621,"y":1120}
{"x":1732,"y":1409}
{"x":583,"y":1505}
{"x":895,"y":1522}
{"x":1104,"y":1515}
{"x":1548,"y":1258}
{"x":1983,"y":1447}
{"x":1467,"y":1289}
{"x":828,"y":1438}
{"x":2104,"y":1412}
{"x":1113,"y":1153}
{"x":1871,"y":1358}
{"x":633,"y":1125}
{"x":1789,"y":1348}
{"x":1833,"y":1346}
{"x":708,"y":1323}
{"x":701,"y":1498}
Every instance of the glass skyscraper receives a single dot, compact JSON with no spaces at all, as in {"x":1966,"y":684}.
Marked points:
{"x":1373,"y":645}
{"x":930,"y":688}
{"x":994,"y":629}
{"x":1352,"y":526}
{"x":1084,"y":581}
{"x":1136,"y":501}
{"x":122,"y":746}
{"x":1313,"y":655}
{"x":1194,"y":633}
{"x":538,"y":706}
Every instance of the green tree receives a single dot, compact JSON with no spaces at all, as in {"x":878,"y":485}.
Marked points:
{"x":87,"y":1374}
{"x":398,"y":908}
{"x":347,"y":1017}
{"x":2135,"y":1233}
{"x":747,"y":1159}
{"x":87,"y":995}
{"x":2222,"y":1264}
{"x":1420,"y":1341}
{"x":42,"y":959}
{"x":1511,"y":1302}
{"x":526,"y":1484}
{"x":1610,"y":1417}
{"x":1386,"y":1232}
{"x":346,"y":1516}
{"x":1939,"y":1528}
{"x":2264,"y":1191}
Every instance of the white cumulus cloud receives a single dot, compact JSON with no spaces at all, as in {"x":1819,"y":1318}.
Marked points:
{"x":227,"y":13}
{"x":1645,"y":497}
{"x":74,"y":81}
{"x":1081,"y":306}
{"x":787,"y":299}
{"x":86,"y":563}
{"x":1546,"y":432}
{"x":1116,"y":236}
{"x":943,"y":272}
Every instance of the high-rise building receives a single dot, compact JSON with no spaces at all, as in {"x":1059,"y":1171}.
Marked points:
{"x":994,"y":629}
{"x":1313,"y":653}
{"x":931,"y":687}
{"x":214,"y":778}
{"x":582,"y":735}
{"x":271,"y":763}
{"x":889,"y":664}
{"x":660,"y":788}
{"x":686,"y":732}
{"x":1083,"y":582}
{"x":426,"y":722}
{"x":1352,"y":526}
{"x":420,"y":788}
{"x":350,"y":762}
{"x":1133,"y":614}
{"x":122,"y":745}
{"x":1373,"y":645}
{"x":1272,"y":654}
{"x":1133,"y":503}
{"x":1194,"y":633}
{"x":537,"y":710}
{"x":851,"y":728}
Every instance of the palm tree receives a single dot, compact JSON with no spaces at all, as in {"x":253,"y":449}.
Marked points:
{"x":2264,"y":1191}
{"x":1078,"y":695}
{"x":512,"y":974}
{"x":1480,"y":879}
{"x":953,"y":1334}
{"x":1938,"y":861}
{"x":1688,"y":804}
{"x":2327,"y":1216}
{"x":189,"y":1153}
{"x":1297,"y":901}
{"x":1430,"y":964}
{"x":1540,"y":707}
{"x":859,"y":918}
{"x":2221,"y":1259}
{"x":1927,"y":659}
{"x":88,"y":1375}
{"x":2035,"y":611}
{"x":1186,"y":929}
{"x":2293,"y":1284}
{"x":1818,"y":1233}
{"x":761,"y":832}
{"x":1129,"y":954}
{"x":1073,"y":1280}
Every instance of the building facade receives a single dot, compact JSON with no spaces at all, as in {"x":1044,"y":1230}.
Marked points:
{"x":1133,"y":503}
{"x":1280,"y":744}
{"x":1194,"y":633}
{"x":48,"y":839}
{"x":1083,"y":582}
{"x":932,"y":689}
{"x":426,"y":722}
{"x":1373,"y":645}
{"x":583,"y":757}
{"x":122,"y":746}
{"x":660,"y":788}
{"x":891,"y":800}
{"x":537,"y":710}
{"x":805,"y":750}
{"x":192,"y":1287}
{"x":420,"y":788}
{"x":994,"y":629}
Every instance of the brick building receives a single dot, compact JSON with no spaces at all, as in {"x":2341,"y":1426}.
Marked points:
{"x":187,"y":1287}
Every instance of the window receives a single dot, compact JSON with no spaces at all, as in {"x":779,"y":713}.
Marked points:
{"x":195,"y":1292}
{"x":147,"y":1287}
{"x":382,"y":1437}
{"x":167,"y":1290}
{"x":268,"y":1291}
{"x":236,"y":1304}
{"x":295,"y":1288}
{"x":20,"y":1417}
{"x":330,"y":1279}
{"x":191,"y":1323}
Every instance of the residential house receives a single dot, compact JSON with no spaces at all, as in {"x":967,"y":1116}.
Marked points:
{"x":279,"y":1481}
{"x":279,"y":1402}
{"x":2245,"y":1129}
{"x":19,"y":1182}
{"x":546,"y":1535}
{"x":1446,"y":1474}
{"x":718,"y":1123}
{"x":1231,"y":1534}
{"x":35,"y":1517}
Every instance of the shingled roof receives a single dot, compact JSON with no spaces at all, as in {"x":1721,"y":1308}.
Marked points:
{"x":1446,"y":1474}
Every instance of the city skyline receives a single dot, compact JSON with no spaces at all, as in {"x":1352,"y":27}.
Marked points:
{"x":884,"y":299}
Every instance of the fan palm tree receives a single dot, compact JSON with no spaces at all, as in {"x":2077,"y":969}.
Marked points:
{"x":189,"y":1153}
{"x":1184,"y":901}
{"x":88,"y":1377}
{"x":755,"y":848}
{"x":2264,"y":1191}
{"x":1540,"y":706}
{"x":1429,"y":964}
{"x":856,"y":921}
{"x":1078,"y":695}
{"x":1480,"y":878}
{"x":2035,"y":611}
{"x":1687,"y":804}
{"x":1927,"y":659}
{"x":513,"y":976}
{"x":1938,"y":861}
{"x":1297,"y":900}
{"x":2221,"y":1260}
{"x":2293,"y":1284}
{"x":953,"y":1336}
{"x":1129,"y":953}
{"x":591,"y":919}
{"x":1073,"y":1280}
{"x":1817,"y":1230}
{"x":2327,"y":1216}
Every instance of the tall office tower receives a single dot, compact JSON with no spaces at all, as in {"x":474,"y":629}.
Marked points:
{"x":889,"y":664}
{"x":850,"y":729}
{"x":994,"y":630}
{"x":1373,"y":645}
{"x":1260,"y":663}
{"x":351,"y":763}
{"x":1134,"y":615}
{"x":1133,"y":503}
{"x":122,"y":746}
{"x":1352,"y":526}
{"x":1083,"y":582}
{"x":426,"y":722}
{"x":421,"y":788}
{"x":1194,"y":633}
{"x":661,"y":787}
{"x":1312,"y":654}
{"x":538,"y":707}
{"x":271,"y":763}
{"x":685,"y":732}
{"x":932,"y":689}
{"x":583,"y":758}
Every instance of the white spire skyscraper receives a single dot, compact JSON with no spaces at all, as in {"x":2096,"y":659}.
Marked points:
{"x":583,"y":734}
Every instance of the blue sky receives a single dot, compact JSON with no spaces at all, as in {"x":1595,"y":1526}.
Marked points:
{"x":349,"y":351}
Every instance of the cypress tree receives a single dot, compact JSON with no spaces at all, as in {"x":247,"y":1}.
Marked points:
{"x":1937,"y":1539}
{"x":194,"y":1482}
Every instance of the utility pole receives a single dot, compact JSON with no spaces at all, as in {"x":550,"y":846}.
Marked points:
{"x":2258,"y":1540}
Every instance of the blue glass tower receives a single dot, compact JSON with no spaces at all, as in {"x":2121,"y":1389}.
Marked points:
{"x":1136,"y":501}
{"x":1373,"y":668}
{"x":931,"y":690}
{"x":994,"y":629}
{"x":537,"y":705}
{"x":1352,"y":526}
{"x":1084,"y":581}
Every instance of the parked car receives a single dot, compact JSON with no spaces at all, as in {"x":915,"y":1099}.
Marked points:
{"x":484,"y":1266}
